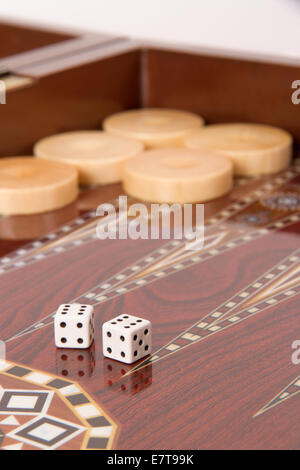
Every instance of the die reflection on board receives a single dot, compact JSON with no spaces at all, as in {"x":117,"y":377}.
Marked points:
{"x":75,"y":364}
{"x":115,"y":377}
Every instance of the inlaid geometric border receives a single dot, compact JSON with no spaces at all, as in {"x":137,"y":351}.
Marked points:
{"x":29,"y":433}
{"x":41,"y":402}
{"x":100,"y":428}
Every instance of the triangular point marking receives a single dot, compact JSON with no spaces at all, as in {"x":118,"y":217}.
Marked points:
{"x":10,"y":421}
{"x":13,"y":447}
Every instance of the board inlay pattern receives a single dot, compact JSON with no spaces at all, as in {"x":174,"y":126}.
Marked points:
{"x":290,"y":391}
{"x":42,"y":430}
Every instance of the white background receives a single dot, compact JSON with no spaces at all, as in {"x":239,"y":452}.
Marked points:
{"x":263,"y":26}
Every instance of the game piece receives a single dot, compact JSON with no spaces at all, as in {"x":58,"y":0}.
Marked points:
{"x":74,"y":326}
{"x":156,"y":128}
{"x":178,"y":175}
{"x":253,"y":148}
{"x":127,"y":338}
{"x":31,"y":186}
{"x":98,"y":156}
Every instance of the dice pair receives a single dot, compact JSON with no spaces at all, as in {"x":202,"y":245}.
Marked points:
{"x":125,"y":338}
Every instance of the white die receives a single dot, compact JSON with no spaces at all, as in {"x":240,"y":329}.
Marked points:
{"x":127,"y":338}
{"x":74,"y":326}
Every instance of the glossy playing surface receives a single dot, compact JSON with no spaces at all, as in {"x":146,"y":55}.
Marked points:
{"x":224,"y":319}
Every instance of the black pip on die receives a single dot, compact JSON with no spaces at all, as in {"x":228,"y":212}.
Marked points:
{"x":74,"y":326}
{"x":127,"y":338}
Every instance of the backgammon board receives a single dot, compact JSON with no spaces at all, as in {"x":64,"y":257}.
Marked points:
{"x":224,"y":315}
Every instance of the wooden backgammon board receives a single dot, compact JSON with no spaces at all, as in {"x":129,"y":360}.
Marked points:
{"x":224,"y":316}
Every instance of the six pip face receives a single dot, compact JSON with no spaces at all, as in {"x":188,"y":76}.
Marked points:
{"x":127,"y":338}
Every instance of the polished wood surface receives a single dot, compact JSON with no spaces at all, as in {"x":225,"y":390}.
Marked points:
{"x":222,"y":89}
{"x":224,"y":315}
{"x":17,"y":39}
{"x":63,"y":102}
{"x":201,"y":396}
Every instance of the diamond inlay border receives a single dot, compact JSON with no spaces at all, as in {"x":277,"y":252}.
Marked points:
{"x":100,"y":429}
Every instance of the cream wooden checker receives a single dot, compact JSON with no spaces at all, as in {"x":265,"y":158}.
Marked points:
{"x":96,"y":155}
{"x":253,"y":148}
{"x":156,"y":128}
{"x":31,"y":186}
{"x":177,"y":175}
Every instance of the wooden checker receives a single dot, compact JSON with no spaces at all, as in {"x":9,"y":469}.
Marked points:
{"x":177,"y":176}
{"x":254,"y":149}
{"x":98,"y":156}
{"x":156,"y":128}
{"x":31,"y":186}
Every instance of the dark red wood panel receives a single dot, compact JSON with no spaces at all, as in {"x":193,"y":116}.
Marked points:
{"x":223,"y":89}
{"x":16,"y":39}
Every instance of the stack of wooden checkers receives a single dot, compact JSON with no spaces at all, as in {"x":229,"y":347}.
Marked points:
{"x":159,"y":155}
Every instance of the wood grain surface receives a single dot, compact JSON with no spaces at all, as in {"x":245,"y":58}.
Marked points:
{"x":224,"y":315}
{"x":203,"y":396}
{"x":17,"y":39}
